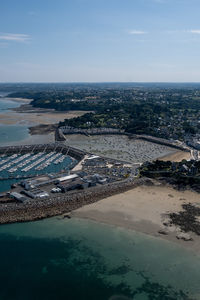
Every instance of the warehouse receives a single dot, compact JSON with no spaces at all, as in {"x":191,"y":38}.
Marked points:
{"x":73,"y":185}
{"x":36,"y":193}
{"x":68,"y":177}
{"x":18,"y":197}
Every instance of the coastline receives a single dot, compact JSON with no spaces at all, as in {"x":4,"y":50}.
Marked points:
{"x":65,"y":203}
{"x":35,"y":117}
{"x":143,"y":209}
{"x":20,"y":100}
{"x":141,"y":205}
{"x":136,"y":216}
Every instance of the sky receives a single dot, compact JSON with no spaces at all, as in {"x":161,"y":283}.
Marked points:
{"x":99,"y":41}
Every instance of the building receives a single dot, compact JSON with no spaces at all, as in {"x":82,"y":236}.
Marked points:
{"x":73,"y":185}
{"x":17,"y":196}
{"x":36,"y":193}
{"x":68,"y":178}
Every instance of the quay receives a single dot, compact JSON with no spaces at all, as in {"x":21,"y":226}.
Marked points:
{"x":49,"y":194}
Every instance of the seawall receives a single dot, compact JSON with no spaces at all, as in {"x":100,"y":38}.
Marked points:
{"x":65,"y":203}
{"x":59,"y":147}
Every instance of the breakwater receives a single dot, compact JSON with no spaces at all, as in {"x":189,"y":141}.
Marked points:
{"x":90,"y":131}
{"x":59,"y":147}
{"x":159,"y":141}
{"x":62,"y":131}
{"x":65,"y":203}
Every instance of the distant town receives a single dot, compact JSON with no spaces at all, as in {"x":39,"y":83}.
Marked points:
{"x":166,"y":111}
{"x":57,"y":178}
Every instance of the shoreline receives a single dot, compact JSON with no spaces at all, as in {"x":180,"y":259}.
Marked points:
{"x":143,"y":209}
{"x":31,"y":116}
{"x":65,"y":203}
{"x":20,"y":100}
{"x":141,"y":205}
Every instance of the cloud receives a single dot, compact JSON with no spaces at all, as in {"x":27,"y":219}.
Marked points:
{"x":137,"y":32}
{"x":14,"y":37}
{"x":195,"y":31}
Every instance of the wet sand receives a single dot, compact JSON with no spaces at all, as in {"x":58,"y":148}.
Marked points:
{"x":143,"y":209}
{"x":20,"y":100}
{"x":28,"y":115}
{"x":32,"y":118}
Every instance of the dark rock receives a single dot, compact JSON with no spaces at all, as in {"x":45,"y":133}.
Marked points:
{"x":163,"y":232}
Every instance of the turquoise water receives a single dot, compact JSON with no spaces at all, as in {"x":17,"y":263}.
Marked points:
{"x":11,"y":133}
{"x":78,"y":259}
{"x":53,"y":168}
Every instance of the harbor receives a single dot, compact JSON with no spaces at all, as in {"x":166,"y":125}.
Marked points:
{"x":29,"y":161}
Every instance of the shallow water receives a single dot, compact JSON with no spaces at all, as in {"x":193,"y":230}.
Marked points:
{"x":80,"y":259}
{"x":11,"y":133}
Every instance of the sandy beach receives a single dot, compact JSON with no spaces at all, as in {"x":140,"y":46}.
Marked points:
{"x":143,"y":209}
{"x":177,"y":156}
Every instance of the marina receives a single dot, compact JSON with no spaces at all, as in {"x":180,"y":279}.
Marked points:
{"x":33,"y":163}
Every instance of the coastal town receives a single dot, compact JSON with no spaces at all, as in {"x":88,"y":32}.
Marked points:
{"x":121,"y":166}
{"x":99,"y":150}
{"x":138,"y":140}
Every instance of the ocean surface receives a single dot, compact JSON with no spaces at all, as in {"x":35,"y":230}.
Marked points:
{"x":11,"y":133}
{"x":82,"y":260}
{"x":79,"y":259}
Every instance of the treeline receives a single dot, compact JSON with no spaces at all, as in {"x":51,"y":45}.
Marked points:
{"x":133,"y":118}
{"x":182,"y":174}
{"x":162,"y":112}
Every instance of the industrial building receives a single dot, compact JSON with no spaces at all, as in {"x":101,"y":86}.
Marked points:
{"x":72,"y":185}
{"x":17,"y":196}
{"x":36,"y":193}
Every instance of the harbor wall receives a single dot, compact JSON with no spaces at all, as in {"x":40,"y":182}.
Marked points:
{"x":60,"y":136}
{"x":73,"y":152}
{"x":159,"y":141}
{"x":64,"y":203}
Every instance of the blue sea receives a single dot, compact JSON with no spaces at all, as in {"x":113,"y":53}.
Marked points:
{"x":82,"y":260}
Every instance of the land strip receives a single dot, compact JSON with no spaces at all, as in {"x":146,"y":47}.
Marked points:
{"x":64,"y":203}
